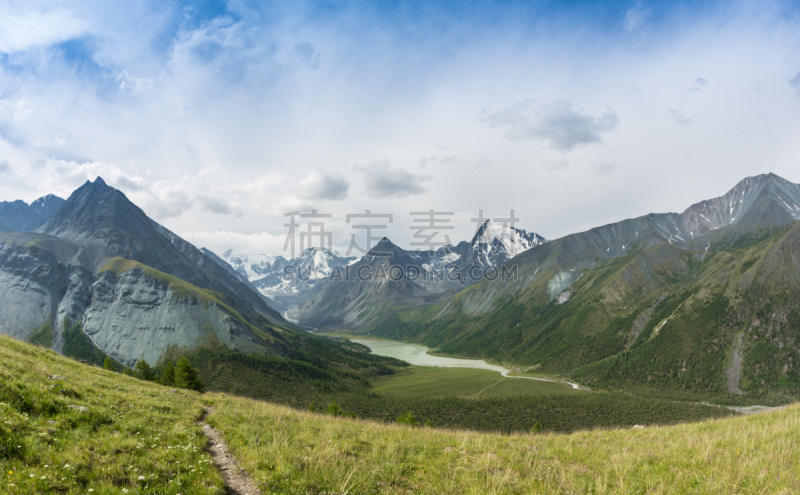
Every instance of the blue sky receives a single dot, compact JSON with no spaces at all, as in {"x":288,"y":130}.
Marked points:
{"x":218,"y":117}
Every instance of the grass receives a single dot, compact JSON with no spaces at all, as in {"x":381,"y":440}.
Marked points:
{"x":139,"y":437}
{"x":419,"y":382}
{"x":134,"y":437}
{"x":289,"y":451}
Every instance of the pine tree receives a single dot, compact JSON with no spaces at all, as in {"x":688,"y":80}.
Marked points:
{"x":109,"y":364}
{"x":408,"y":419}
{"x":168,"y":374}
{"x":334,"y":409}
{"x":143,"y":370}
{"x":186,"y":376}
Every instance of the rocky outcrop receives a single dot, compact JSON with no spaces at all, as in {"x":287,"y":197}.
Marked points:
{"x":101,"y":216}
{"x":129,"y":316}
{"x":31,"y":286}
{"x":135,"y":316}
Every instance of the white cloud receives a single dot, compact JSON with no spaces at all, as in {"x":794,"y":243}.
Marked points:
{"x":174,"y":132}
{"x":319,"y":186}
{"x":697,"y":85}
{"x":381,"y":180}
{"x":678,"y":117}
{"x":795,"y":83}
{"x":132,"y":85}
{"x":605,"y":168}
{"x":219,"y":241}
{"x":25,"y":29}
{"x":559,"y":163}
{"x":562,"y":126}
{"x":635,"y":18}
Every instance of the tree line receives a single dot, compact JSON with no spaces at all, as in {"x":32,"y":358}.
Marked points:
{"x":181,"y":375}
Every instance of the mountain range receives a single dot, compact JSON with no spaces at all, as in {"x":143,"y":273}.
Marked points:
{"x":292,"y":282}
{"x":703,"y":302}
{"x":20,"y":216}
{"x":287,"y":282}
{"x":135,"y":289}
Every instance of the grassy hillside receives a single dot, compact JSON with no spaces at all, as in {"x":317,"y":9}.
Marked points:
{"x":297,"y":452}
{"x":123,"y":434}
{"x":138,"y":437}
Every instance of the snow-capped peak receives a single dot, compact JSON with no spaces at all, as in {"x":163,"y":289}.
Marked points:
{"x":497,"y":238}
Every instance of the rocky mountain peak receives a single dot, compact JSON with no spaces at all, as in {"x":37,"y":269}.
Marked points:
{"x":760,"y":202}
{"x":19,"y":216}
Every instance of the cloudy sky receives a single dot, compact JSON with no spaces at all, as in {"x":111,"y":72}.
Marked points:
{"x":219,"y":117}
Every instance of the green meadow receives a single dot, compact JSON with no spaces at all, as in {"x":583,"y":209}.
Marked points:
{"x":417,"y":382}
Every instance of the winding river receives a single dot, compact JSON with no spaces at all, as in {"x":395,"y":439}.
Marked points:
{"x":418,"y":355}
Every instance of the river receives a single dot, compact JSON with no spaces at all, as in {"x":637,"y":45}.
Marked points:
{"x":418,"y":355}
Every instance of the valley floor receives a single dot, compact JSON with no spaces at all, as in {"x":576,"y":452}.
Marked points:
{"x":418,"y":382}
{"x":129,"y":436}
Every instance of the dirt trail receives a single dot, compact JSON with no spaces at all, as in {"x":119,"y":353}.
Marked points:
{"x":238,"y":481}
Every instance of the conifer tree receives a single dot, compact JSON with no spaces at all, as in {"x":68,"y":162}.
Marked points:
{"x":143,"y":370}
{"x":109,"y":364}
{"x":186,"y":376}
{"x":168,"y":374}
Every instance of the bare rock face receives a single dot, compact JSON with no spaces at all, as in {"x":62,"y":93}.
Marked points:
{"x":31,"y":285}
{"x":136,"y":289}
{"x":130,"y":316}
{"x":135,"y":316}
{"x":73,"y":304}
{"x":99,"y":215}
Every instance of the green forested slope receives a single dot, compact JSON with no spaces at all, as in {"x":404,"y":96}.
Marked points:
{"x":722,"y":323}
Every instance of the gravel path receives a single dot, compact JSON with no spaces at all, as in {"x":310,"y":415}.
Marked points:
{"x":238,"y":481}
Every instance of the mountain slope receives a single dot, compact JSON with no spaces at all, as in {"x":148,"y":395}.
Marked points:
{"x":83,"y":277}
{"x":355,"y":295}
{"x":101,"y":215}
{"x":703,"y":302}
{"x":408,"y":278}
{"x":129,"y":311}
{"x":291,"y":281}
{"x":242,"y":278}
